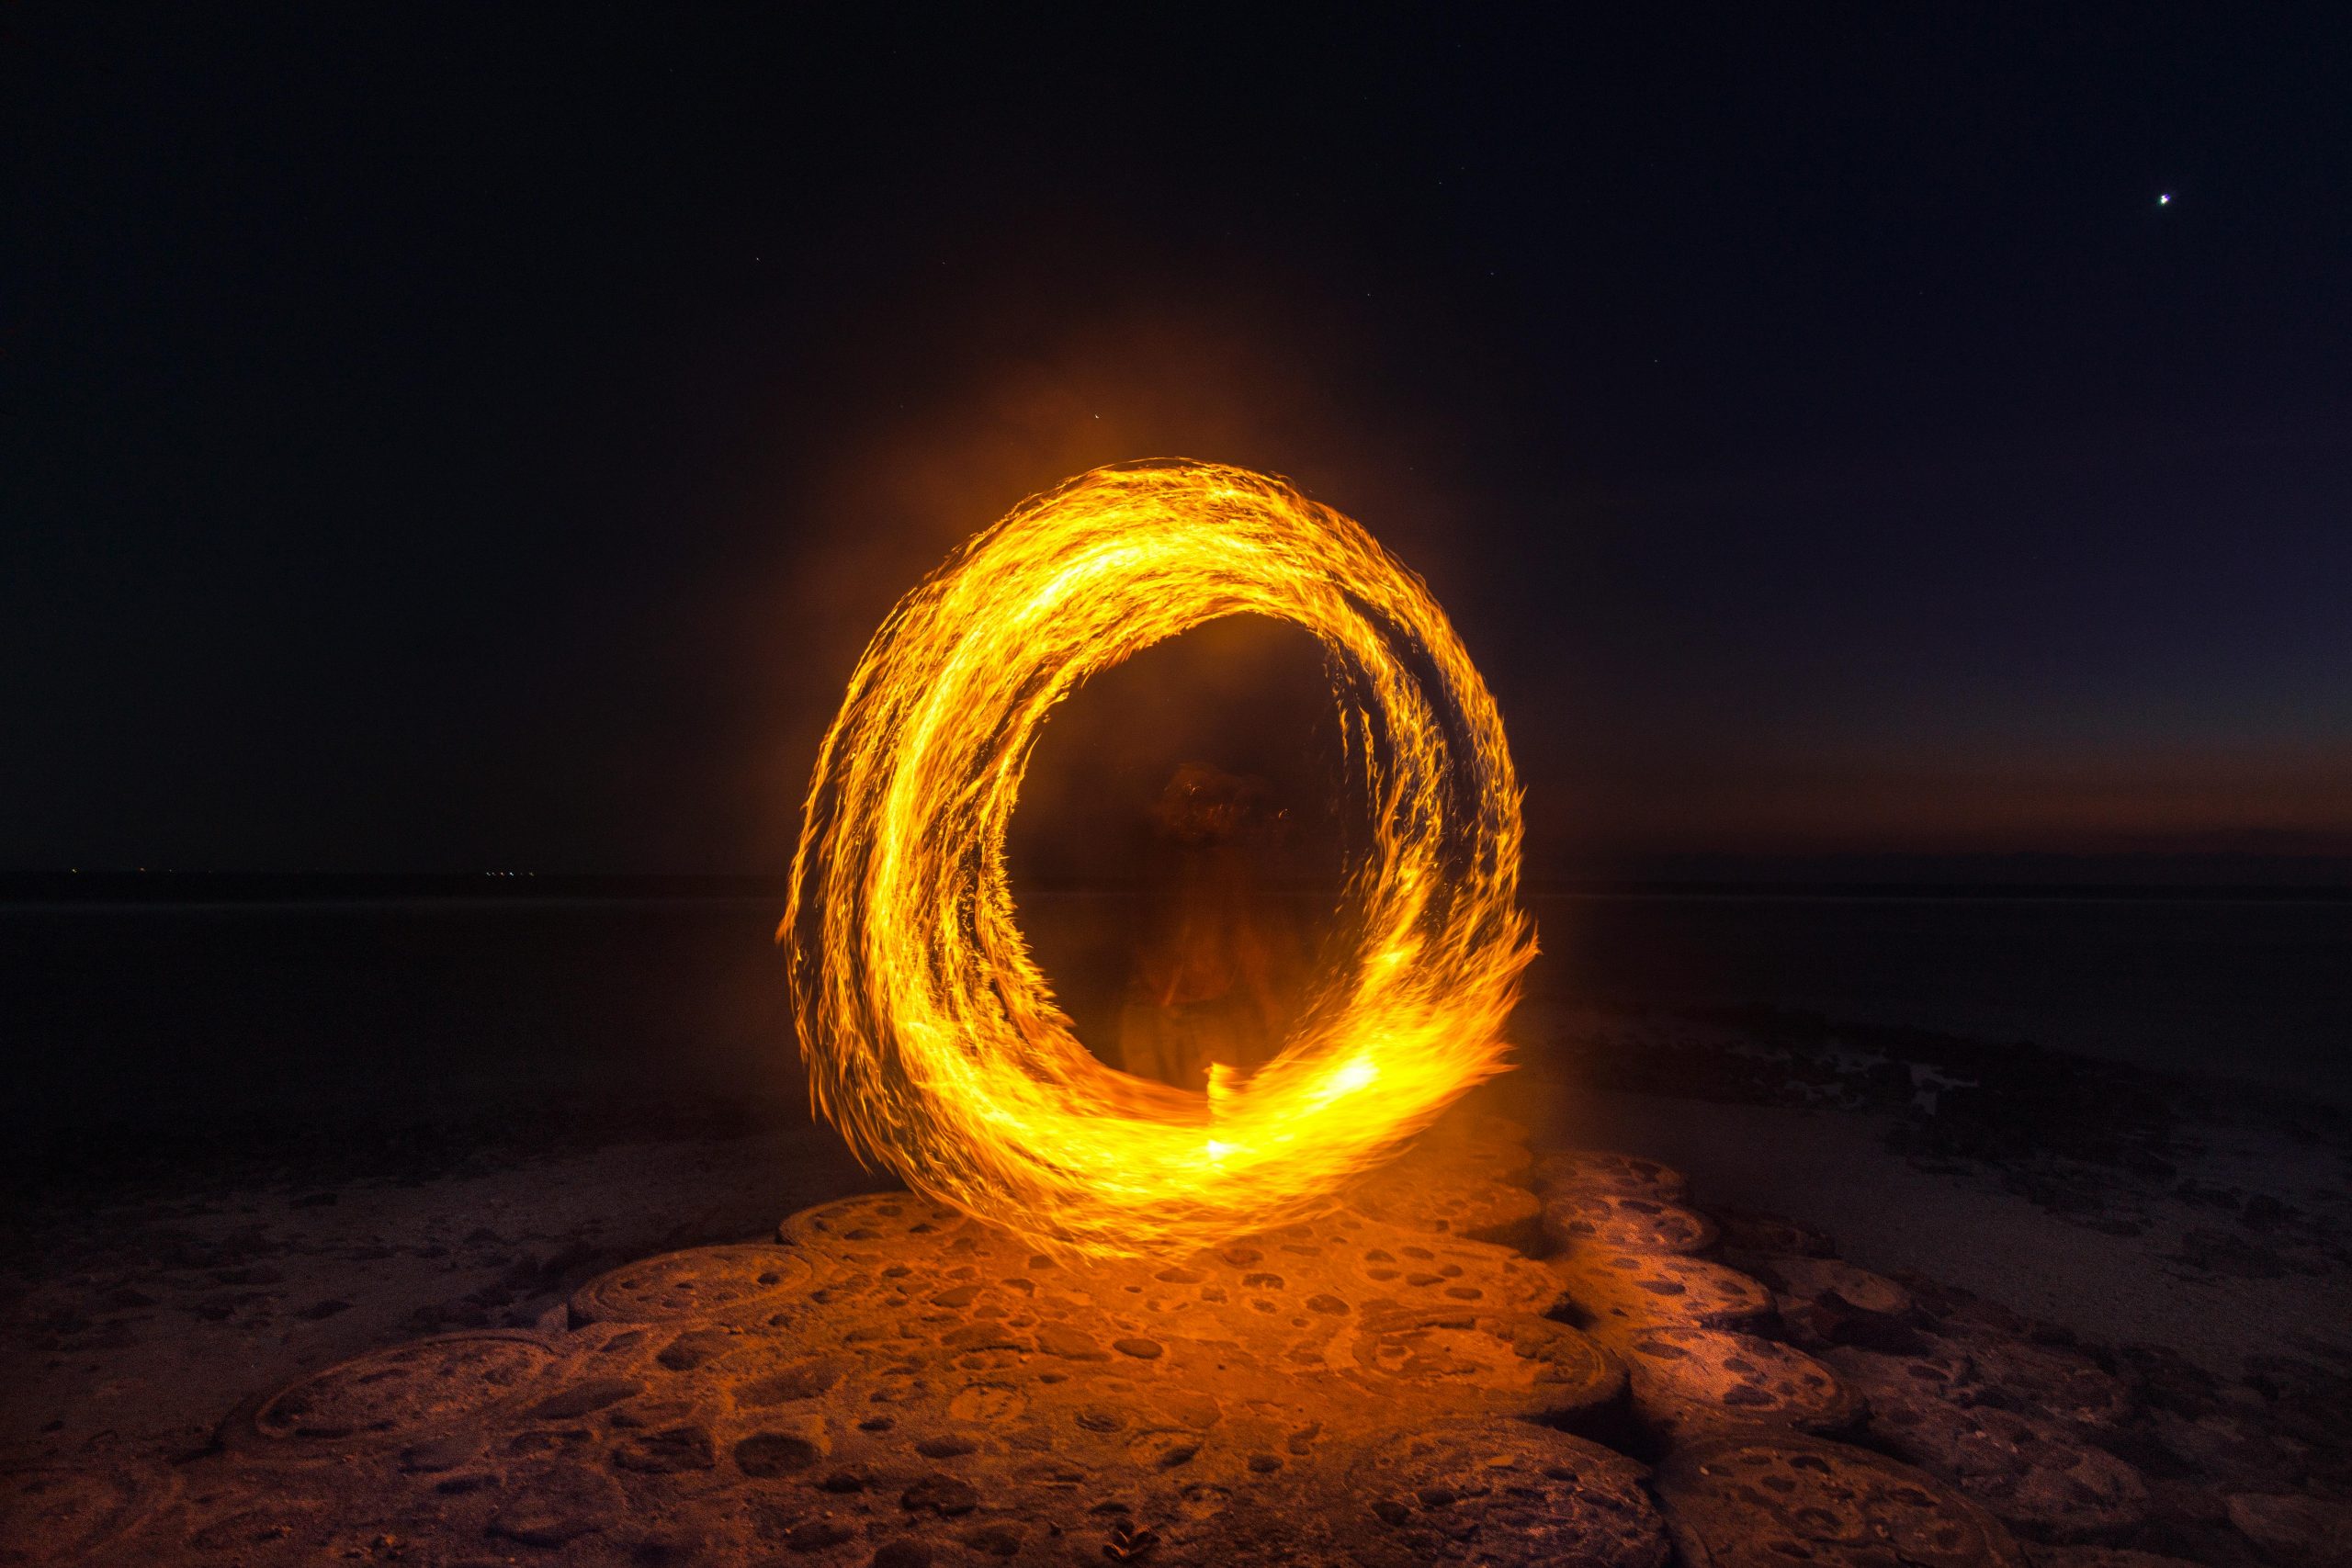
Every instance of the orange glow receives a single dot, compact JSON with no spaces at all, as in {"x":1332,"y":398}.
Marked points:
{"x":932,"y":1037}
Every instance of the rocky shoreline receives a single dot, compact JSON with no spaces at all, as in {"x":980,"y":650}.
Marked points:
{"x":1488,"y":1356}
{"x":2238,"y":1182}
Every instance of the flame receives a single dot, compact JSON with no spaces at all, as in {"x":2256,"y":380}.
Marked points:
{"x":932,"y":1037}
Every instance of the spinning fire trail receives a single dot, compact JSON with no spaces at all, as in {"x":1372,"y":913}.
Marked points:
{"x":932,"y":1037}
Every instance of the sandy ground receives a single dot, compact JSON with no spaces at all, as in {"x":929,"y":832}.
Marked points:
{"x":1832,"y":1169}
{"x":151,"y":1320}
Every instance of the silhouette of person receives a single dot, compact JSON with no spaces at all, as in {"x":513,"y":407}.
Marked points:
{"x":1216,"y":975}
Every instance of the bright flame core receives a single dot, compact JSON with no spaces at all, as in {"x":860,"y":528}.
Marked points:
{"x":932,"y":1038}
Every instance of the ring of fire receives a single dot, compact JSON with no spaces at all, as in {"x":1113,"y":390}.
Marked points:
{"x":932,"y":1037}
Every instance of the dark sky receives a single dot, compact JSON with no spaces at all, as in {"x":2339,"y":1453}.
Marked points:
{"x":451,"y":438}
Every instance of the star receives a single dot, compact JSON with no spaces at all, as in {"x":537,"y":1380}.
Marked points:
{"x":2165,"y":199}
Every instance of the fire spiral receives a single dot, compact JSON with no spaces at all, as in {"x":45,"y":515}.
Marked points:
{"x":932,"y":1038}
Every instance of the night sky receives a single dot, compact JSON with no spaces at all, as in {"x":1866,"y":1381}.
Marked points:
{"x":439,"y":439}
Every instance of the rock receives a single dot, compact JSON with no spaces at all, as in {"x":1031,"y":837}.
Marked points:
{"x":1747,"y":1500}
{"x":1768,"y":1234}
{"x":389,"y":1396}
{"x":1070,"y":1343}
{"x":696,"y":1346}
{"x":895,"y":1225}
{"x":1600,"y":1170}
{"x":766,"y":1454}
{"x":647,"y":1415}
{"x":805,"y":1378}
{"x":703,"y":1282}
{"x":2308,"y":1403}
{"x":2232,"y":1257}
{"x":1502,"y":1495}
{"x":1687,"y":1379}
{"x":942,"y":1494}
{"x":1503,"y":1364}
{"x":2059,"y":1382}
{"x":554,"y":1504}
{"x":1825,"y":1302}
{"x":583,"y":1398}
{"x":819,"y":1534}
{"x":1363,"y":1387}
{"x":1448,"y":1203}
{"x":65,"y":1513}
{"x":668,"y":1451}
{"x":2223,"y":1450}
{"x":1410,"y":1271}
{"x":993,"y":1541}
{"x":1612,"y":1223}
{"x":1638,"y":1289}
{"x":437,"y":1455}
{"x":946,"y":1447}
{"x":250,"y":1528}
{"x":2188,"y":1508}
{"x":1813,"y":1280}
{"x":992,"y":1404}
{"x":2166,"y":1380}
{"x":2293,"y":1529}
{"x":2034,"y":1472}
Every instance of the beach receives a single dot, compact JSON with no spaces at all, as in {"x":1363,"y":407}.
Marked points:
{"x":2192,"y":1234}
{"x":144,"y":1317}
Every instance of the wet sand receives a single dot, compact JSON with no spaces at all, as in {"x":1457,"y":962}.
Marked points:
{"x":1832,"y":1169}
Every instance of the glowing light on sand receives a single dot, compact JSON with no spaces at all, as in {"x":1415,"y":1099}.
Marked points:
{"x":932,"y":1037}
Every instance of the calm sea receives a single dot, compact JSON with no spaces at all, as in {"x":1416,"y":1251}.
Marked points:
{"x":370,"y":1013}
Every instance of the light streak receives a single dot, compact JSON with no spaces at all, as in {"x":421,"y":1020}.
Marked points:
{"x":932,"y":1037}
